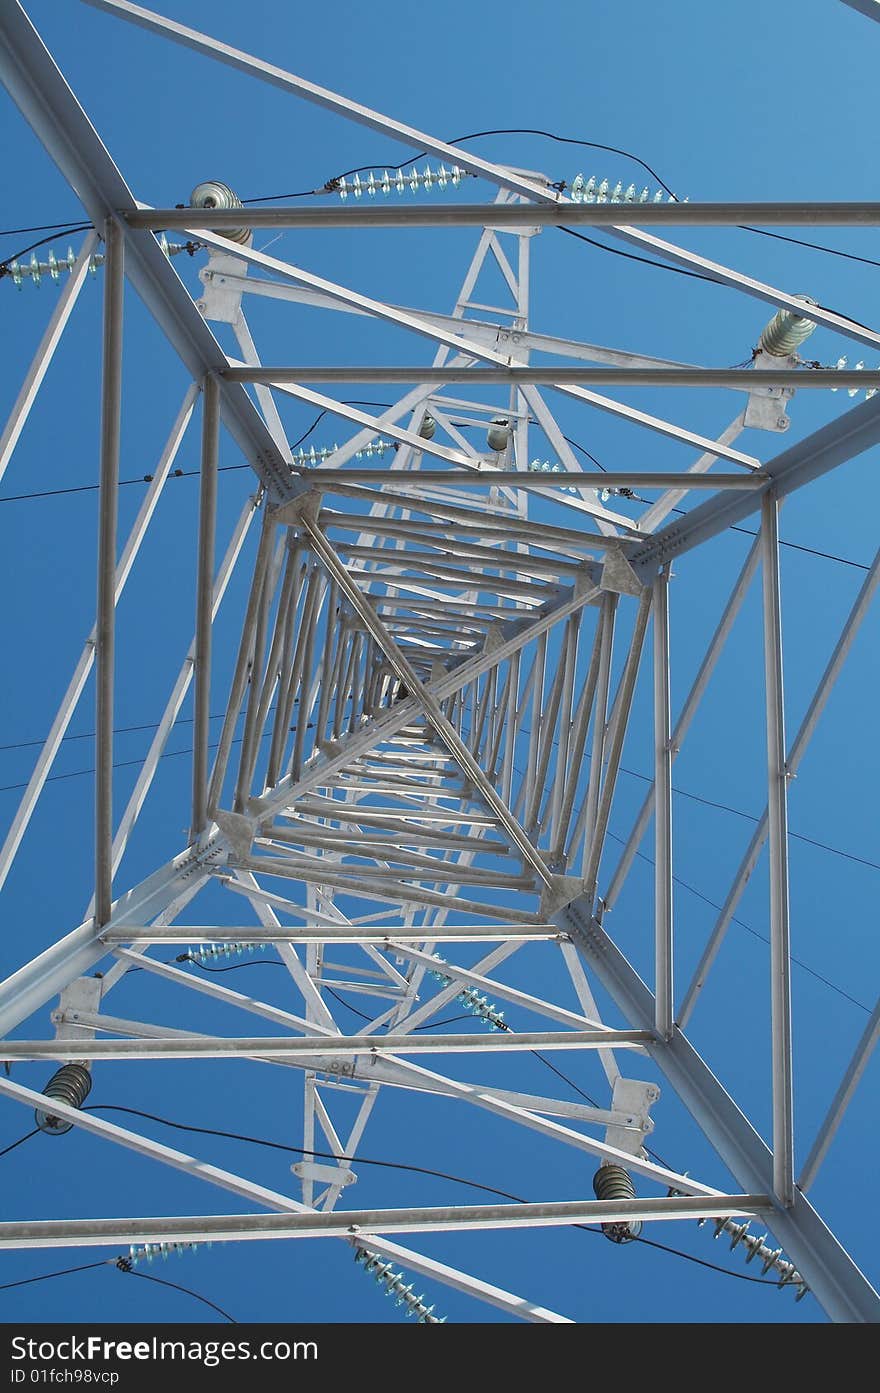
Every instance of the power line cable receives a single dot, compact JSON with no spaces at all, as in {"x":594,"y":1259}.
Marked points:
{"x":41,"y":227}
{"x":646,"y":260}
{"x":27,"y":1136}
{"x":393,"y":1165}
{"x":6,"y":262}
{"x":122,"y":1266}
{"x":64,"y":1272}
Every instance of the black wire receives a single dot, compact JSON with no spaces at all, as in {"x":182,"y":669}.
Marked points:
{"x":685,"y":885}
{"x":163,"y":1282}
{"x":274,"y":197}
{"x":354,"y":1010}
{"x":570,"y":1082}
{"x":750,"y":817}
{"x":141,"y":479}
{"x":815,"y":246}
{"x":646,"y":260}
{"x":848,"y":317}
{"x":40,"y":227}
{"x":117,"y":730}
{"x":4,"y":264}
{"x":126,"y":763}
{"x":515,"y":130}
{"x":305,"y":1151}
{"x":795,"y":546}
{"x":393,"y":1165}
{"x":65,"y":1272}
{"x":713,"y":1266}
{"x":254,"y":962}
{"x":27,"y":1136}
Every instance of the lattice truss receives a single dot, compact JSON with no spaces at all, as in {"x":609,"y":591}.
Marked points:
{"x":423,"y":731}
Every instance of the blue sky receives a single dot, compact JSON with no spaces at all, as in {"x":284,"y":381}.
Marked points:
{"x":723,"y":102}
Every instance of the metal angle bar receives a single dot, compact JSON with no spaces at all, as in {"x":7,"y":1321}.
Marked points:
{"x":827,"y":448}
{"x":554,"y":802}
{"x":279,"y":667}
{"x":240,"y":675}
{"x":514,"y":216}
{"x":663,"y":929}
{"x":848,"y":1085}
{"x":108,"y":512}
{"x":316,"y":1008}
{"x":654,"y":515}
{"x":204,"y":589}
{"x":45,"y":100}
{"x":361,"y":1223}
{"x":392,"y":891}
{"x":259,"y":700}
{"x":723,"y":275}
{"x":833,"y":1277}
{"x":796,"y":753}
{"x":405,"y":1073}
{"x":75,"y":688}
{"x":264,"y":396}
{"x":473,"y":978}
{"x":870,"y":8}
{"x":600,"y":716}
{"x":738,"y":379}
{"x":45,"y":352}
{"x":777,"y":808}
{"x":266,"y":1047}
{"x":26,"y":990}
{"x":224,"y":994}
{"x":322,"y":96}
{"x":145,"y":1146}
{"x":618,"y":735}
{"x":688,"y":711}
{"x":461,"y":1281}
{"x":324,"y":933}
{"x":588,"y":1004}
{"x":518,"y":478}
{"x":480,"y":331}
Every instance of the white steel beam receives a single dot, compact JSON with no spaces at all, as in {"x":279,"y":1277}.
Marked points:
{"x":514,"y":216}
{"x":267,"y":1047}
{"x":108,"y":512}
{"x":777,"y":821}
{"x":737,"y":379}
{"x":663,"y":933}
{"x":462,"y":1281}
{"x":362,"y":1223}
{"x":204,"y":601}
{"x":839,"y":1104}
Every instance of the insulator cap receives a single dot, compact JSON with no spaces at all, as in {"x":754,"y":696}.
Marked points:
{"x":499,"y":434}
{"x":212,"y":194}
{"x":612,"y":1182}
{"x":71,"y":1085}
{"x":786,"y":331}
{"x":428,"y":427}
